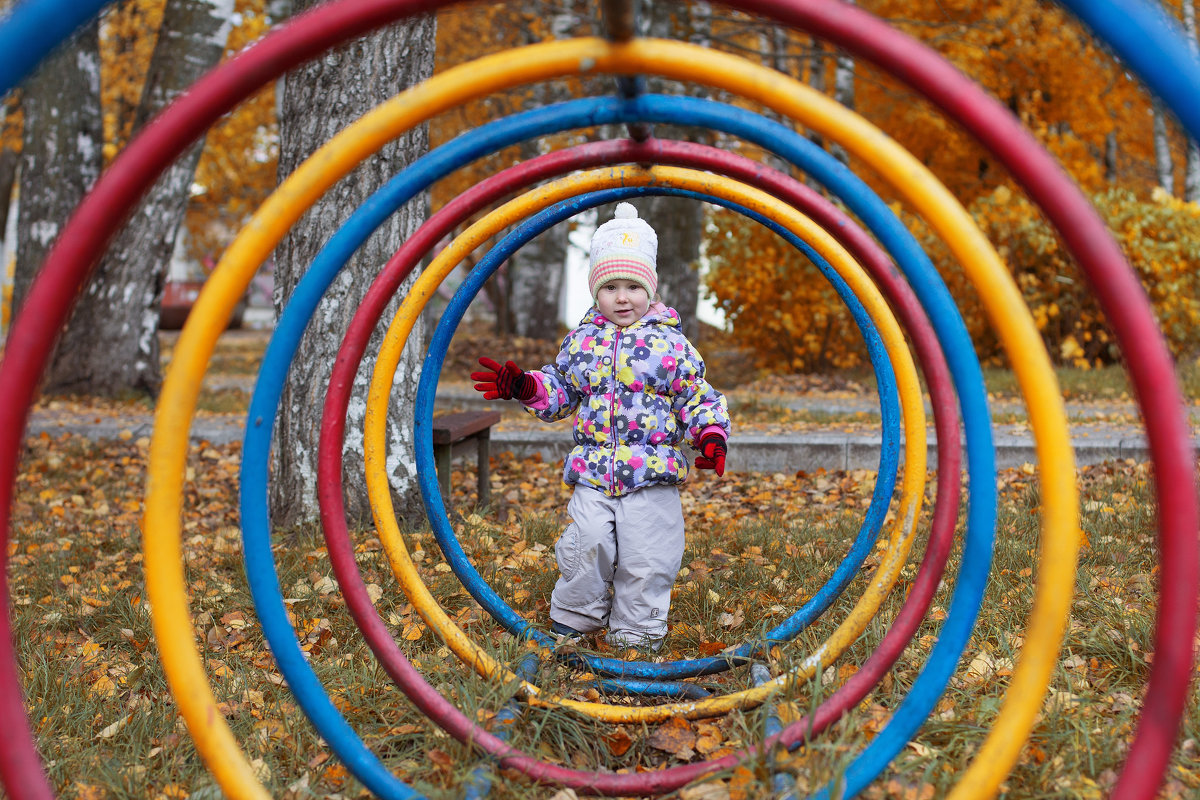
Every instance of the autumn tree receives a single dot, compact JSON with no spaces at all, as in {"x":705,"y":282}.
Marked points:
{"x":524,"y":292}
{"x":110,"y":345}
{"x":344,"y":84}
{"x":237,"y":169}
{"x":1161,"y":239}
{"x":783,"y":310}
{"x":1040,"y":62}
{"x":1075,"y":99}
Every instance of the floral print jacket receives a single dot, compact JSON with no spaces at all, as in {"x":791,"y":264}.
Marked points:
{"x":640,"y":393}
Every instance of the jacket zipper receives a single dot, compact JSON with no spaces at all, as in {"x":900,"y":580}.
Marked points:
{"x":612,"y":416}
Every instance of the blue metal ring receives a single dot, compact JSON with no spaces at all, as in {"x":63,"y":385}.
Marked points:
{"x":1154,"y":46}
{"x":435,"y":508}
{"x":878,"y":218}
{"x":35,"y":26}
{"x":32,"y":29}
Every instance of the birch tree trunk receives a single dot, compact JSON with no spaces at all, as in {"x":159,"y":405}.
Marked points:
{"x":61,"y":153}
{"x":110,"y":345}
{"x":816,"y":79}
{"x":535,"y":281}
{"x":1191,"y":172}
{"x":1164,"y":166}
{"x":1110,"y":157}
{"x":773,"y":41}
{"x":319,"y":100}
{"x":8,"y":170}
{"x":535,"y":272}
{"x":843,"y":92}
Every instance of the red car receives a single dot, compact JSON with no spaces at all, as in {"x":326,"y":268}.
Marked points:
{"x":177,"y":301}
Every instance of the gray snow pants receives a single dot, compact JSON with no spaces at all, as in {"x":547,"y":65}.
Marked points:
{"x":617,"y":560}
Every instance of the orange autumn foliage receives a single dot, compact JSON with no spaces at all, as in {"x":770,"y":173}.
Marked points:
{"x":783,"y":309}
{"x":237,"y":170}
{"x":127,"y":39}
{"x":1160,"y":237}
{"x":1079,"y":103}
{"x":779,"y":304}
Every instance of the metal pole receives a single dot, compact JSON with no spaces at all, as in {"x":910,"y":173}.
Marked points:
{"x":620,"y":25}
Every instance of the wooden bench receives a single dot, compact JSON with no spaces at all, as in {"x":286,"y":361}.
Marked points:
{"x":453,"y":435}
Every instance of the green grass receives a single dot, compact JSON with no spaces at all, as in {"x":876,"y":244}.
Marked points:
{"x":237,"y":352}
{"x":1108,"y":383}
{"x":223,"y":401}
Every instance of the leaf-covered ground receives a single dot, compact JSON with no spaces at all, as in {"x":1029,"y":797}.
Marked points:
{"x":758,"y":545}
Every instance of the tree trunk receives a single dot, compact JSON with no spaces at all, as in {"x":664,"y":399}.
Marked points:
{"x":1110,"y":157}
{"x":1164,"y":166}
{"x":773,"y":40}
{"x":535,"y":274}
{"x":320,"y":99}
{"x":1191,"y":173}
{"x":8,"y":171}
{"x":843,"y":92}
{"x":816,"y":80}
{"x":679,"y":223}
{"x":536,"y":277}
{"x":61,"y":152}
{"x":110,"y":345}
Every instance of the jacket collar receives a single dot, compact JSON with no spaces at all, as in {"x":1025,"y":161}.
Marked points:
{"x":658,"y":314}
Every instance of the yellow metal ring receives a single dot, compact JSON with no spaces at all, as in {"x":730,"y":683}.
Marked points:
{"x":1001,"y":298}
{"x":375,"y":446}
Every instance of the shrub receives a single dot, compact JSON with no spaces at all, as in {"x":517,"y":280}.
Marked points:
{"x":779,"y":306}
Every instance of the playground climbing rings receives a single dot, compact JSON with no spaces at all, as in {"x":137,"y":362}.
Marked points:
{"x":298,"y":180}
{"x":546,"y":166}
{"x":36,"y":25}
{"x":271,"y":364}
{"x":367,"y":316}
{"x":563,"y":189}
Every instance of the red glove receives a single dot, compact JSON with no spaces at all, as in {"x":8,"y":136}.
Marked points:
{"x":504,"y":382}
{"x":712,"y":453}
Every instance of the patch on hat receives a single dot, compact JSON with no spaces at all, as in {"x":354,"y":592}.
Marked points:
{"x":625,"y":247}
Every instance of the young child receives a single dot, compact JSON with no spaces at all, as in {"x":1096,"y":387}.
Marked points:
{"x":637,"y":388}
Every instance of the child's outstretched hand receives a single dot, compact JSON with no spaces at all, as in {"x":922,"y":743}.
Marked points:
{"x":504,"y":381}
{"x":712,"y":453}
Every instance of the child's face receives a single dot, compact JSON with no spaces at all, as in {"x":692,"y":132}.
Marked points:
{"x":623,"y":301}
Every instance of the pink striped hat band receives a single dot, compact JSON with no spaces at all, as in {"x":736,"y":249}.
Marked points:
{"x":625,"y":266}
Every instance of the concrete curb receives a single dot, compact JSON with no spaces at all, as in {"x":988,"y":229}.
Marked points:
{"x":1093,"y":443}
{"x":753,"y":452}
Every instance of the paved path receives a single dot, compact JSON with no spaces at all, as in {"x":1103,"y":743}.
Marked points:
{"x":1095,"y":438}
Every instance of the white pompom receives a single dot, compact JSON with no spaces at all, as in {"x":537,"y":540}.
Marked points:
{"x":625,"y":211}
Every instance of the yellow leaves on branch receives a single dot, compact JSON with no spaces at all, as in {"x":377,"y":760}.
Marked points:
{"x":780,"y":305}
{"x":1160,"y":238}
{"x":1039,"y":62}
{"x":782,"y":308}
{"x":238,"y":165}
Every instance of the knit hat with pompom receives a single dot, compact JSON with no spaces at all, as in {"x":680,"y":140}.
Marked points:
{"x":626,"y":248}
